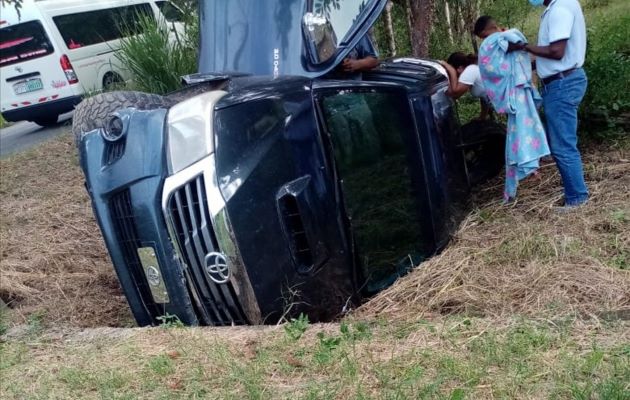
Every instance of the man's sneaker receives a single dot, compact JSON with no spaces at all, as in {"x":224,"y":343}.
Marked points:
{"x":565,"y":209}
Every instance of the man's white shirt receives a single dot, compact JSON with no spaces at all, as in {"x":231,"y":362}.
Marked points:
{"x":563,"y":19}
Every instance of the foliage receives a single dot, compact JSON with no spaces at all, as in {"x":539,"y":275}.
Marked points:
{"x":170,"y":321}
{"x":15,"y":3}
{"x":608,"y":66}
{"x":160,"y":56}
{"x":296,"y":327}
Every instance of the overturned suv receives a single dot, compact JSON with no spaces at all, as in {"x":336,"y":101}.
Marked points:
{"x":262,"y":189}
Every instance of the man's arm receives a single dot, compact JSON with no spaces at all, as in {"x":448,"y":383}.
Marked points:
{"x":554,"y":51}
{"x":364,"y":64}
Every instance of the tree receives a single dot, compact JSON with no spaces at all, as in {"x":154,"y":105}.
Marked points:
{"x":16,"y":3}
{"x":421,"y":22}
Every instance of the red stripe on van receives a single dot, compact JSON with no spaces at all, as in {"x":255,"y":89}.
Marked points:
{"x":43,"y":99}
{"x":54,"y":96}
{"x":14,"y":104}
{"x":26,"y":103}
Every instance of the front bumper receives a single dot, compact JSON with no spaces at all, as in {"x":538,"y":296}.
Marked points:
{"x":124,"y":180}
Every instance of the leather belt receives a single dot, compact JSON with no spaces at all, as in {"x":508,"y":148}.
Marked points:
{"x":559,"y":75}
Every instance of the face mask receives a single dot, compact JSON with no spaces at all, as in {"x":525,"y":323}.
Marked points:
{"x":537,"y":3}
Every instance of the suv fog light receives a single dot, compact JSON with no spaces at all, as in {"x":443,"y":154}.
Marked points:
{"x":115,"y":128}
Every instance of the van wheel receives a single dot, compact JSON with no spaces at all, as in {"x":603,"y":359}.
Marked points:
{"x":47,"y":121}
{"x":111,"y":81}
{"x":93,"y":112}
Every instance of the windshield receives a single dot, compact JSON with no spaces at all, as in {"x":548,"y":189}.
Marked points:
{"x":23,"y":42}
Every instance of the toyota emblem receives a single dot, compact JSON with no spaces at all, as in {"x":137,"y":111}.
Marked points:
{"x":217,"y":267}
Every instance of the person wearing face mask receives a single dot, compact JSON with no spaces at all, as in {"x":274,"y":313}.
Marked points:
{"x":560,"y":52}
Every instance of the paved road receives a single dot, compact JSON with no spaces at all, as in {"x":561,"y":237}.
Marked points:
{"x":24,"y":135}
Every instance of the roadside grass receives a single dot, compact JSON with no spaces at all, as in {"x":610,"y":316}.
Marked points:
{"x":443,"y":358}
{"x":54,"y":267}
{"x":524,"y":303}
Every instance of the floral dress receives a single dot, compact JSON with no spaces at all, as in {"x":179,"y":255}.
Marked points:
{"x":507,"y":78}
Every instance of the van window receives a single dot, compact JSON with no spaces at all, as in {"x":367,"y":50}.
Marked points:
{"x":23,"y":42}
{"x":92,"y":27}
{"x":170,"y":12}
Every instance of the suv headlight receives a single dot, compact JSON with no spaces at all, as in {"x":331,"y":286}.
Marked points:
{"x":190,"y":135}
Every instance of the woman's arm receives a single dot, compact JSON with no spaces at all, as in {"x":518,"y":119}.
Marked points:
{"x":456,"y":89}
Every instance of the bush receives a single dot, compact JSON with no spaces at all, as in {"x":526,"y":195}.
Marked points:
{"x":160,"y":56}
{"x":608,"y":65}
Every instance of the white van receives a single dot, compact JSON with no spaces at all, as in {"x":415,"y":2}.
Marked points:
{"x":52,"y":52}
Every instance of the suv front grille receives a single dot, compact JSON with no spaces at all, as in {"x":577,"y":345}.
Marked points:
{"x":192,"y":227}
{"x":127,"y":237}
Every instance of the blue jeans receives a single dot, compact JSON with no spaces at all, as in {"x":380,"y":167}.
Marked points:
{"x":561,"y":100}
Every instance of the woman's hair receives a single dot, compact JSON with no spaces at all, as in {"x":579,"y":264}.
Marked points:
{"x":481,"y":24}
{"x":460,"y":59}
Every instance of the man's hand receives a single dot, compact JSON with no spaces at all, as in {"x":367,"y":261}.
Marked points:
{"x":350,"y":65}
{"x":515,"y":47}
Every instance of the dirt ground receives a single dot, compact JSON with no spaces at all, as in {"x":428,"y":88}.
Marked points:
{"x":524,"y":258}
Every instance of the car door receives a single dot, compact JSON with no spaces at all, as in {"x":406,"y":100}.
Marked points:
{"x":376,"y":156}
{"x":282,"y":37}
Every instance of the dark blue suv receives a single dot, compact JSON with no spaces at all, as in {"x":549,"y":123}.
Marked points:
{"x":263,"y":190}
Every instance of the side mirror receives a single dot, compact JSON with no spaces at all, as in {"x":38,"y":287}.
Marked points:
{"x":321,"y":37}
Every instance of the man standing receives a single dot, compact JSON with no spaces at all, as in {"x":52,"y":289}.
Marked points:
{"x":560,"y":56}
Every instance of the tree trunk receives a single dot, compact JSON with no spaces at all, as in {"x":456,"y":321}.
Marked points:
{"x":447,"y":11}
{"x":421,"y":21}
{"x":389,"y":23}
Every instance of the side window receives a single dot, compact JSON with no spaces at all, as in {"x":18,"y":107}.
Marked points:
{"x":370,"y":134}
{"x":170,"y":12}
{"x":92,"y":27}
{"x":340,"y":13}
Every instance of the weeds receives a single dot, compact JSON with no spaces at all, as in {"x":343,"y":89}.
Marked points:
{"x":296,"y":327}
{"x":158,"y":58}
{"x":169,"y":321}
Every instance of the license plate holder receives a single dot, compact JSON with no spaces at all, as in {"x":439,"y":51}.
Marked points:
{"x":27,"y":86}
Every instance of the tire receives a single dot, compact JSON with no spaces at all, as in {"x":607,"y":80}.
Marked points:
{"x":93,"y":112}
{"x":47,"y":121}
{"x":111,"y":81}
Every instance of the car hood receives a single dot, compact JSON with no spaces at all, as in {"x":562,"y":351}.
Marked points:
{"x":281,"y":37}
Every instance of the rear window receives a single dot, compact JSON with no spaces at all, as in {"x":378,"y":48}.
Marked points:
{"x":22,"y":42}
{"x":92,"y":27}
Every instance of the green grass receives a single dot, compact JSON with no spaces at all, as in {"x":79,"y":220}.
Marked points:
{"x":3,"y":123}
{"x":451,"y":358}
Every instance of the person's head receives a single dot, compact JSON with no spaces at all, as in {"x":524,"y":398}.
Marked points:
{"x":538,"y":3}
{"x":460,"y":61}
{"x":485,"y":26}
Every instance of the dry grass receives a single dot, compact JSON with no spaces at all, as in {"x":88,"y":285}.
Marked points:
{"x":524,"y":273}
{"x":523,"y":259}
{"x":527,"y":258}
{"x":54,"y":263}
